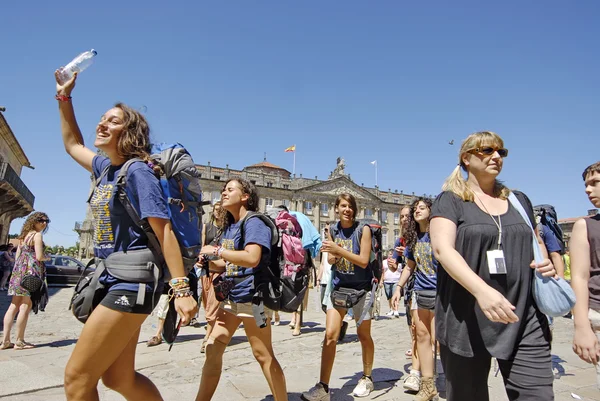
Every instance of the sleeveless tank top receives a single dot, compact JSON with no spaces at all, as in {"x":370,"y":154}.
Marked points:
{"x":593,"y":233}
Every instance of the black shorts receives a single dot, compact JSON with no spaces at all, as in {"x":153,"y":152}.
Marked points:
{"x":124,"y":301}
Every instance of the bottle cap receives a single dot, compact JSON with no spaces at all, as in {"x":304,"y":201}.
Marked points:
{"x":94,"y":52}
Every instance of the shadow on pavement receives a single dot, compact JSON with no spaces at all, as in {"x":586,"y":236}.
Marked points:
{"x":58,"y":344}
{"x":557,"y":369}
{"x":383,"y":378}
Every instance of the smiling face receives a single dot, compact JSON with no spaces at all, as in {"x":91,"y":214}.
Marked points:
{"x":592,"y":187}
{"x":421,"y":212}
{"x":109,"y":129}
{"x":345,"y":211}
{"x":404,"y":217}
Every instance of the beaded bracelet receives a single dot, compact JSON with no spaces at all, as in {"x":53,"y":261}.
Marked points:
{"x":217,"y":250}
{"x":62,"y":98}
{"x":179,"y":281}
{"x":180,"y":292}
{"x":220,"y":251}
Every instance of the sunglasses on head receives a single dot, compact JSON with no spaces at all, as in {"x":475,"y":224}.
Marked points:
{"x":488,"y":151}
{"x":44,"y":221}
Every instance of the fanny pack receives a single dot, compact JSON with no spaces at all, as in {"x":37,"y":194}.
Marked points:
{"x":135,"y":266}
{"x":225,"y":288}
{"x":346,"y":297}
{"x":426,"y":299}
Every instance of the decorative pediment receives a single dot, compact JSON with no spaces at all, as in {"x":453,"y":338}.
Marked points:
{"x":337,"y":186}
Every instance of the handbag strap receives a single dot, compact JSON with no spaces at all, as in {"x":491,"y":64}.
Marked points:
{"x":537,"y":251}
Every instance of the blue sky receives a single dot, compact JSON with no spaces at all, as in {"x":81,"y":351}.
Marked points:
{"x":391,"y":81}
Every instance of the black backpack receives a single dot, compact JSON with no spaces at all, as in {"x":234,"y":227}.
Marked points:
{"x":546,"y":215}
{"x":376,"y":258}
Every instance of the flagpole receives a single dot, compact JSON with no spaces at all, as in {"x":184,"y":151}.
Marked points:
{"x":376,"y":173}
{"x":294,"y":166}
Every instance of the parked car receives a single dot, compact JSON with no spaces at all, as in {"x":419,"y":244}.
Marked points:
{"x":61,"y":269}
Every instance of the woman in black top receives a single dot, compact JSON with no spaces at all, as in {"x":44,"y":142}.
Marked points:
{"x":487,"y":310}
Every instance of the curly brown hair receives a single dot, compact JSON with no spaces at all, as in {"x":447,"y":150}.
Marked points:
{"x":134,"y":142}
{"x":29,"y":224}
{"x":412,"y":227}
{"x":251,"y":204}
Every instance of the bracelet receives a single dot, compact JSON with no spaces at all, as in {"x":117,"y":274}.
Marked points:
{"x":180,"y":293}
{"x":62,"y":98}
{"x":179,"y":282}
{"x":216,"y":250}
{"x":220,"y":251}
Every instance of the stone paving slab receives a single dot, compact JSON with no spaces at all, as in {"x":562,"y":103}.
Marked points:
{"x":177,"y":373}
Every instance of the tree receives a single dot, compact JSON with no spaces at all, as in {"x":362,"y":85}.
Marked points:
{"x":13,"y":236}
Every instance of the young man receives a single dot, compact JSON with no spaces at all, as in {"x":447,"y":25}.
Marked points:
{"x":585,"y":275}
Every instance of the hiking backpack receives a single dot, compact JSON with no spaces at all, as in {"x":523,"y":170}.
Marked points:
{"x":546,"y":215}
{"x":180,"y":184}
{"x":376,"y":256}
{"x":284,"y":282}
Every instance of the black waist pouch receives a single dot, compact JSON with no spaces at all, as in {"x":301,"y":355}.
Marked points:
{"x":426,"y":299}
{"x":346,"y":297}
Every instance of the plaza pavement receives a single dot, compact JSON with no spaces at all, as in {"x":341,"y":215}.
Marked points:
{"x":37,"y":374}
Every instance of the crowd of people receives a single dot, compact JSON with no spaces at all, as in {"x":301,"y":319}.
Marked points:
{"x":463,"y":266}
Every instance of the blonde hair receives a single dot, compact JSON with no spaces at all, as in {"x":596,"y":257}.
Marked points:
{"x":456,"y":183}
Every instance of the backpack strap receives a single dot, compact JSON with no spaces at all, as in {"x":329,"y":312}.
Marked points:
{"x":97,"y":182}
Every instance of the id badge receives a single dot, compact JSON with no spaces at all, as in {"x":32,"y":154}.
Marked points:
{"x":496,"y":262}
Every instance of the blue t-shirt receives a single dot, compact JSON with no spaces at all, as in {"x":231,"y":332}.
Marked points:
{"x":255,"y":232}
{"x":113,"y":228}
{"x":347,"y":274}
{"x":396,"y":255}
{"x":550,"y":240}
{"x":427,"y":265}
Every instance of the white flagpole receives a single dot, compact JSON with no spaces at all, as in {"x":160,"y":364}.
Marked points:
{"x":375,"y":172}
{"x":294,"y":166}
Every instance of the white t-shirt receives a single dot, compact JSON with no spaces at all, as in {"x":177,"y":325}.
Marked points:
{"x":326,"y":269}
{"x":390,"y":276}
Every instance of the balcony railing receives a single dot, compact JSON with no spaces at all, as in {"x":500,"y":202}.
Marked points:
{"x":10,"y":176}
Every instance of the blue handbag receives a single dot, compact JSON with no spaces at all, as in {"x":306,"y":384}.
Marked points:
{"x":553,"y":296}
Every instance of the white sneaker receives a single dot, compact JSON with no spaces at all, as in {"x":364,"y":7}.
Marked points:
{"x":390,"y":313}
{"x":317,"y":393}
{"x":396,"y":314}
{"x":364,"y":387}
{"x":412,"y":383}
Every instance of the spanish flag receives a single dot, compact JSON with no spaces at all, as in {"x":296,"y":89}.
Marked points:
{"x":291,"y":149}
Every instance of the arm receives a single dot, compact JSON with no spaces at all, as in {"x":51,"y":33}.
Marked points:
{"x":406,"y":273}
{"x":38,"y":245}
{"x":185,"y":306}
{"x":361,"y":260}
{"x":585,"y":342}
{"x":493,"y":304}
{"x":557,"y":262}
{"x":71,"y":135}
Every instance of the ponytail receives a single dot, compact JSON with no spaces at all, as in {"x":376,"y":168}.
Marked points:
{"x":457,"y":184}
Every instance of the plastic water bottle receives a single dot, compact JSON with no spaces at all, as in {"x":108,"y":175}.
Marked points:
{"x":78,"y":64}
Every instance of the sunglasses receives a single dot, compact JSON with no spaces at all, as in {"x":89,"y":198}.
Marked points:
{"x":44,"y":221}
{"x":488,"y":151}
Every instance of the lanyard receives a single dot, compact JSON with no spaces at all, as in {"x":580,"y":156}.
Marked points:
{"x":498,"y":223}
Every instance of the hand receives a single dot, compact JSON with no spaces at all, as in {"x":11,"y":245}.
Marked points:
{"x":186,"y":308}
{"x":396,"y":298}
{"x":585,"y":345}
{"x":546,"y":268}
{"x":495,"y":307}
{"x":330,"y":247}
{"x":400,"y":250}
{"x":207,"y":250}
{"x":66,"y":88}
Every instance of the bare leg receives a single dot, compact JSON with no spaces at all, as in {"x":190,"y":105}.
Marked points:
{"x":367,"y":345}
{"x":262,"y":348}
{"x":159,"y":329}
{"x":9,"y":316}
{"x":416,"y":364}
{"x":333,"y":325}
{"x":24,"y":310}
{"x":423,"y":325}
{"x":225,"y":326}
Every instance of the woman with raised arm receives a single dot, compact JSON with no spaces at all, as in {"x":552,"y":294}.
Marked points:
{"x":485,"y":307}
{"x":243,"y":254}
{"x":106,"y":347}
{"x":30,"y":259}
{"x":348,"y":248}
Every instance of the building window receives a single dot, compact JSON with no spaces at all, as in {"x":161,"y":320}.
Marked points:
{"x":322,"y":229}
{"x":200,"y":175}
{"x":217,"y":177}
{"x":396,"y":233}
{"x":253,"y":182}
{"x":369,"y":213}
{"x":215,"y":196}
{"x":268,"y":201}
{"x":384,"y":238}
{"x":324,"y":209}
{"x":396,"y":218}
{"x":269,"y":184}
{"x":308,"y":207}
{"x":396,"y":200}
{"x":384,"y":216}
{"x":286,"y":186}
{"x":286,"y":203}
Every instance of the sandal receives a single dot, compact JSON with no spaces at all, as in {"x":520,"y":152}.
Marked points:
{"x":23,"y":345}
{"x":7,"y":345}
{"x":203,"y":348}
{"x":154,"y":340}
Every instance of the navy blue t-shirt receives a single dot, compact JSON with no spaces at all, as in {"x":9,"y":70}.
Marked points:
{"x":113,"y":228}
{"x":255,"y":232}
{"x":427,"y":264}
{"x":550,"y":240}
{"x":347,"y":274}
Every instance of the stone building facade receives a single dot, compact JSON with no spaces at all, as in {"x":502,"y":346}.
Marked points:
{"x":277,"y":186}
{"x":16,"y":200}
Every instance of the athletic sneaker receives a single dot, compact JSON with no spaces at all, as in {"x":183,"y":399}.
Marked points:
{"x":396,"y":314}
{"x":412,"y":383}
{"x":390,"y":313}
{"x":364,"y":387}
{"x":317,"y":393}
